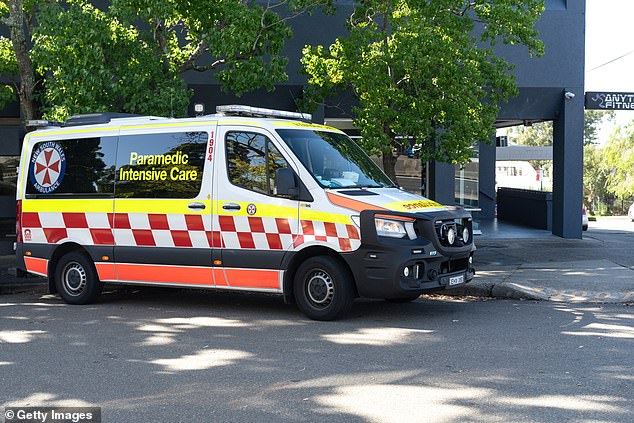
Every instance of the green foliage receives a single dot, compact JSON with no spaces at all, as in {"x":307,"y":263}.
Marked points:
{"x":595,"y":179}
{"x":592,"y":122}
{"x":421,"y":70}
{"x":8,"y":69}
{"x":539,"y":134}
{"x":618,"y":157}
{"x":94,"y":63}
{"x":131,"y":55}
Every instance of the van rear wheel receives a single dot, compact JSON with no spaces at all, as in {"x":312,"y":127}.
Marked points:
{"x":76,"y":279}
{"x":323,"y":288}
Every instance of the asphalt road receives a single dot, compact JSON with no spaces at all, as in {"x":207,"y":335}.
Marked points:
{"x":153,"y":355}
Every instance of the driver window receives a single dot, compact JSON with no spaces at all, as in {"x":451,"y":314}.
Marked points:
{"x":252,"y":161}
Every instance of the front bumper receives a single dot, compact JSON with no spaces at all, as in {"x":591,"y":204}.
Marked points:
{"x":379,"y":264}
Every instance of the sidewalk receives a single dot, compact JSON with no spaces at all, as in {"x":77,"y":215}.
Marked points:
{"x":596,"y":269}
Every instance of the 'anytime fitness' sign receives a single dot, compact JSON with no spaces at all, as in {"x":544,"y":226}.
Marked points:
{"x":609,"y":101}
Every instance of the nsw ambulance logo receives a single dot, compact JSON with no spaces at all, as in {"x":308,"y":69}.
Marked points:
{"x":47,"y":167}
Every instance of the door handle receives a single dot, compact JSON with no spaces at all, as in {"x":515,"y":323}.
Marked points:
{"x":196,"y":205}
{"x":231,"y":206}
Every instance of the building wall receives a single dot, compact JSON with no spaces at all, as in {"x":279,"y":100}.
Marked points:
{"x":542,"y":83}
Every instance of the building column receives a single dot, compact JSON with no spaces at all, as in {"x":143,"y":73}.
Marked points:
{"x":441,"y":183}
{"x":568,"y":166}
{"x":486,"y":184}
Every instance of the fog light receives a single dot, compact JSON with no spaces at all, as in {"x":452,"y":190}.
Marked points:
{"x":451,"y":236}
{"x":432,"y":274}
{"x":406,"y":272}
{"x":470,"y":259}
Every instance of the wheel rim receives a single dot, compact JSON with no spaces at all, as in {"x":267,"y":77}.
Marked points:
{"x":320,"y":288}
{"x":74,"y":278}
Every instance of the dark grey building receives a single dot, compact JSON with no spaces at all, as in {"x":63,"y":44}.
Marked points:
{"x":551,"y":88}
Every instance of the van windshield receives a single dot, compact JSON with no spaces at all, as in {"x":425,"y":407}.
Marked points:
{"x":334,"y":160}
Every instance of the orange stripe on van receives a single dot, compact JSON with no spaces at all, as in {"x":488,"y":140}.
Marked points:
{"x":106,"y":271}
{"x":352,"y":204}
{"x":164,"y":274}
{"x":219,"y":277}
{"x":36,"y":265}
{"x":253,"y":278}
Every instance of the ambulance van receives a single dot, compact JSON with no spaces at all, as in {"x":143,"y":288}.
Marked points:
{"x":246,"y":199}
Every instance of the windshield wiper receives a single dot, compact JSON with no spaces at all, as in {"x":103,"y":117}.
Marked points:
{"x":361,"y":187}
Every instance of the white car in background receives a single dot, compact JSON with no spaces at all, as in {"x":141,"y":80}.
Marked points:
{"x":584,"y":219}
{"x":630,"y":212}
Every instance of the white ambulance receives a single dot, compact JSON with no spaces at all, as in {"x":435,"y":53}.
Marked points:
{"x":246,"y":199}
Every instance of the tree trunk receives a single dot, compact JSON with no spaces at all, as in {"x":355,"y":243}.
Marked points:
{"x":389,"y":166}
{"x":19,"y":38}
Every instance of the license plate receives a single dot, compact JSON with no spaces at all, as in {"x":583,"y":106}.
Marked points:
{"x":456,"y":280}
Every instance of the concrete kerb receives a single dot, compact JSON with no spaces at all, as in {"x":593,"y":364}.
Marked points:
{"x":589,"y":281}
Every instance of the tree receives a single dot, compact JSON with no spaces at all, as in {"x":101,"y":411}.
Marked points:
{"x":15,"y":57}
{"x":538,"y":134}
{"x":592,"y":123}
{"x":595,"y":179}
{"x":618,"y":156}
{"x":131,"y":56}
{"x":424,"y":71}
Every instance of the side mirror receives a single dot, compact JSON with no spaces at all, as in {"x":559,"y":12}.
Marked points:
{"x":286,"y":183}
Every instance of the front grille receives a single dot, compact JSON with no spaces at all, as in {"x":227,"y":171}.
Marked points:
{"x":450,"y":232}
{"x":452,"y":266}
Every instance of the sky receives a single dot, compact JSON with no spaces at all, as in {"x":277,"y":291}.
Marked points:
{"x":610,"y":53}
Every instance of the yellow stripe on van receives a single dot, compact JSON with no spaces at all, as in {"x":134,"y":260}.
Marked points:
{"x":267,"y":210}
{"x":283,"y":123}
{"x":68,"y":206}
{"x":325,"y":217}
{"x":407,"y":206}
{"x":174,"y":206}
{"x":73,"y":131}
{"x":23,"y":166}
{"x":262,"y":210}
{"x":160,"y":206}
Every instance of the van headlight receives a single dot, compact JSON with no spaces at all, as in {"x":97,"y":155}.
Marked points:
{"x":394,"y":228}
{"x":390,"y":228}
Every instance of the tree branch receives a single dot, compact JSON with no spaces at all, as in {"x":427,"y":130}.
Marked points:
{"x":190,"y":63}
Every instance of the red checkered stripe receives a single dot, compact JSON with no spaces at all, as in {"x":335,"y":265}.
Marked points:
{"x":178,"y":230}
{"x":340,"y":236}
{"x":129,"y":229}
{"x":252,"y":232}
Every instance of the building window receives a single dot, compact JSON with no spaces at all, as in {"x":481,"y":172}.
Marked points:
{"x":168,"y":165}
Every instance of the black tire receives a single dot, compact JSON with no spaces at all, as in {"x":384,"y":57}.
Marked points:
{"x":323,"y":288}
{"x":403,"y":299}
{"x":584,"y":227}
{"x":76,"y":279}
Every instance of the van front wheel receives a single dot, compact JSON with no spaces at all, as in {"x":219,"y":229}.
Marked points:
{"x":323,"y":288}
{"x":76,"y":279}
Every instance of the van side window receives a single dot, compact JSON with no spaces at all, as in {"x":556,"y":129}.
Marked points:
{"x":78,"y":167}
{"x":168,"y":165}
{"x":252,"y":160}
